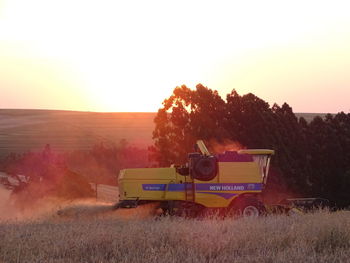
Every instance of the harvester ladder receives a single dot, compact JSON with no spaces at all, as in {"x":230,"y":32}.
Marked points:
{"x":189,"y":189}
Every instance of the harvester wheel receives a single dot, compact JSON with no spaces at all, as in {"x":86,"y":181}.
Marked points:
{"x":248,"y":207}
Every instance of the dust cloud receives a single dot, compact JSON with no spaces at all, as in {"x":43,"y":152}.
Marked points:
{"x":85,"y":209}
{"x":226,"y":145}
{"x":10,"y":211}
{"x":53,"y":208}
{"x":5,"y":208}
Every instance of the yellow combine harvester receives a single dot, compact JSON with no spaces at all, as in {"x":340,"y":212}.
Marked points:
{"x":231,"y":182}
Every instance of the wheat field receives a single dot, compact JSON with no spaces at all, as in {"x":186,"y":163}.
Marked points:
{"x":96,"y":233}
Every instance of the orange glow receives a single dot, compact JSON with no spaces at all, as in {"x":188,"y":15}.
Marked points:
{"x":128,"y":56}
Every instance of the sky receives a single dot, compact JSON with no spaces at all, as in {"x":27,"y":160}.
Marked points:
{"x":128,"y":56}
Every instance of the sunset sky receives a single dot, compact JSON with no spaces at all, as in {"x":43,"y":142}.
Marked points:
{"x":130,"y":55}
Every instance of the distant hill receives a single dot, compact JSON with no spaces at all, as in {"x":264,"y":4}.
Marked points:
{"x":24,"y":130}
{"x":309,"y":116}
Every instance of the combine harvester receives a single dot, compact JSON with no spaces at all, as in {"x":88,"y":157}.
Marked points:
{"x":226,"y":184}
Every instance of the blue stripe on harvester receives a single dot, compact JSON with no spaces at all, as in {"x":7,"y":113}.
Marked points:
{"x":204,"y":187}
{"x":228,"y":187}
{"x":153,"y":187}
{"x":176,"y":187}
{"x":224,"y":195}
{"x":162,"y":187}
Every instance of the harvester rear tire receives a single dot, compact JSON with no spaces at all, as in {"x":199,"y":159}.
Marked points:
{"x":248,"y":207}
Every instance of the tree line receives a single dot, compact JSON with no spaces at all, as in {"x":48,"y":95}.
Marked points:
{"x":312,"y":158}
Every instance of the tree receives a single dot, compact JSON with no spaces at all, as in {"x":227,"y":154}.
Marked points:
{"x":186,"y":116}
{"x":329,"y":157}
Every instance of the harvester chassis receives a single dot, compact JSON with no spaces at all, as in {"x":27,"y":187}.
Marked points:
{"x":227,"y":184}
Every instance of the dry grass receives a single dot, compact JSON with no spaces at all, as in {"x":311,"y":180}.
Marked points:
{"x":95,"y":233}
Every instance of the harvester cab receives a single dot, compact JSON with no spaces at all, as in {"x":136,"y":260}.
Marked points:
{"x":262,"y":158}
{"x":230,"y":181}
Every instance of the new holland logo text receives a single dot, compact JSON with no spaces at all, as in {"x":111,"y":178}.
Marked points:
{"x":226,"y":187}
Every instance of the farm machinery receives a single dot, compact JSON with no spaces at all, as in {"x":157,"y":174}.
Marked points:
{"x":230,"y":183}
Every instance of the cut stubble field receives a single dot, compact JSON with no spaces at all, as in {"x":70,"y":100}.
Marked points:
{"x":96,"y":233}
